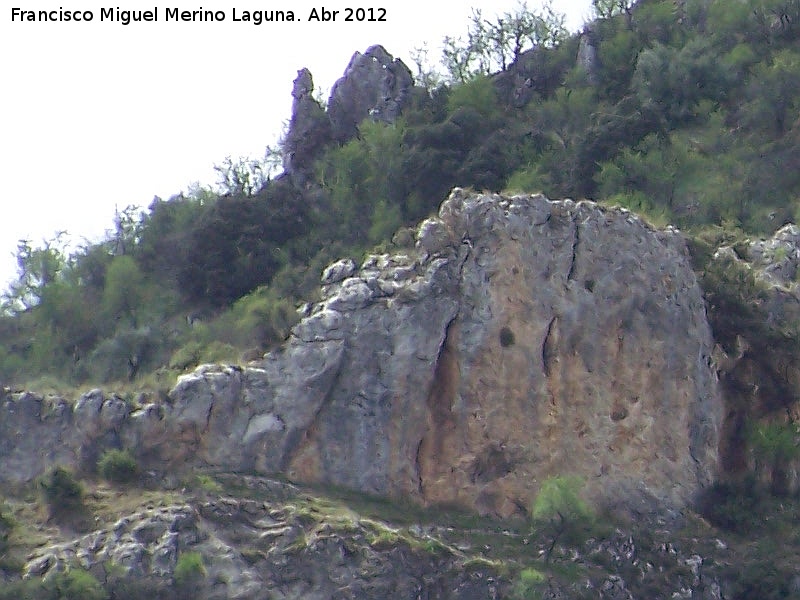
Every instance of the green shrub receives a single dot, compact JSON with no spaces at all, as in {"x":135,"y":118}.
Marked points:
{"x":123,"y":356}
{"x":732,"y":507}
{"x":208,"y":484}
{"x":77,"y":584}
{"x":478,"y":94}
{"x":529,"y":583}
{"x":189,"y":570}
{"x":775,"y":442}
{"x":187,"y":356}
{"x":62,"y":491}
{"x":561,"y":514}
{"x":118,"y":466}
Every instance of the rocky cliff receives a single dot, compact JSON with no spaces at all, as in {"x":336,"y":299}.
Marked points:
{"x":518,"y":339}
{"x":754,"y":306}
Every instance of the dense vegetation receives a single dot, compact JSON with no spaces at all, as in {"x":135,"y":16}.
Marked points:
{"x":686,"y":111}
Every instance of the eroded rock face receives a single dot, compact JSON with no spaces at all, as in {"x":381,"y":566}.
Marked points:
{"x":756,"y":354}
{"x":309,"y":128}
{"x":374,"y":85}
{"x":520,"y":339}
{"x":529,"y":339}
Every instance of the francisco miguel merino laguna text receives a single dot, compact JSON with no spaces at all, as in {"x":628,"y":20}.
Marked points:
{"x":126,"y":17}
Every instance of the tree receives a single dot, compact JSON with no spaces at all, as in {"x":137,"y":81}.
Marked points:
{"x":239,"y":243}
{"x":559,"y":505}
{"x":127,"y":228}
{"x":773,"y":94}
{"x":123,"y":294}
{"x":246,"y":176}
{"x":37,"y":267}
{"x":607,"y":9}
{"x":675,"y":81}
{"x":493,"y":45}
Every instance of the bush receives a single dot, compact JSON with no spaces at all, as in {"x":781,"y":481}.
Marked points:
{"x":187,"y":356}
{"x":77,"y":584}
{"x":529,"y":584}
{"x":118,"y":466}
{"x":62,"y":492}
{"x":123,"y":356}
{"x":189,"y":570}
{"x":560,"y":512}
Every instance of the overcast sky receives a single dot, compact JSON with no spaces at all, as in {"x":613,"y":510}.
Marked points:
{"x":100,"y":115}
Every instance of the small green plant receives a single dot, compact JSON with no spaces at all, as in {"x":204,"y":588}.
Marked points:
{"x":189,"y":570}
{"x":187,"y":356}
{"x":780,"y":254}
{"x":776,"y":446}
{"x":529,"y":583}
{"x":560,"y":511}
{"x":62,"y":491}
{"x":208,"y":483}
{"x":776,"y":442}
{"x":77,"y":584}
{"x":118,"y":466}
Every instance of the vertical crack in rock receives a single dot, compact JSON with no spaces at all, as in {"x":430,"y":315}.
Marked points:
{"x":550,"y":347}
{"x":575,"y":242}
{"x":418,"y":468}
{"x":466,"y":242}
{"x":440,"y":406}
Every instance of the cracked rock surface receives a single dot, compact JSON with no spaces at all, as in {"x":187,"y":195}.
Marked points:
{"x":519,"y":339}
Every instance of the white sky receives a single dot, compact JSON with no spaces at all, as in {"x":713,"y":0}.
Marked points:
{"x":97,"y":115}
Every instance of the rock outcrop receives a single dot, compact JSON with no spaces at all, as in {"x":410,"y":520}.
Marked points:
{"x":309,"y":128}
{"x":268,"y":550}
{"x":266,"y":540}
{"x":520,"y":339}
{"x":375,"y":85}
{"x":754,"y":306}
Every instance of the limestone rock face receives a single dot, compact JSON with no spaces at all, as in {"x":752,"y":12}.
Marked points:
{"x":520,"y":339}
{"x":374,"y":85}
{"x":776,"y":259}
{"x":530,"y":339}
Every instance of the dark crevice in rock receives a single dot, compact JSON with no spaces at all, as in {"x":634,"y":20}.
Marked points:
{"x":418,"y":468}
{"x":440,"y":406}
{"x":545,"y":222}
{"x":550,"y":347}
{"x":576,"y":241}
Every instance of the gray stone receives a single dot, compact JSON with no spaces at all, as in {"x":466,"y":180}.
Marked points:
{"x":433,"y":236}
{"x":336,"y":272}
{"x":375,"y":85}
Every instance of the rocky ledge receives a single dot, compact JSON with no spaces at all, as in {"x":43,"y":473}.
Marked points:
{"x":516,"y":339}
